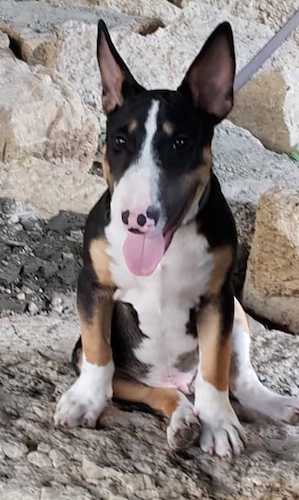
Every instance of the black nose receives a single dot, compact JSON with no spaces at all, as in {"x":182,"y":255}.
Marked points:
{"x":153,"y":213}
{"x":125,"y":216}
{"x":141,"y":220}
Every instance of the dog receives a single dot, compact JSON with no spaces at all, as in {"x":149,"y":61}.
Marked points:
{"x":158,"y":316}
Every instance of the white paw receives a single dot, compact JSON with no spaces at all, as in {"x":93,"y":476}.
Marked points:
{"x":221,"y":434}
{"x":83,"y":403}
{"x":184,"y":426}
{"x":284,"y":408}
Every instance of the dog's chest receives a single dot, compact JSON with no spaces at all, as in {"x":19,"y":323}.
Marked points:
{"x":163,"y":301}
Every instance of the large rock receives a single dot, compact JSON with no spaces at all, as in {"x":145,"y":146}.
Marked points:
{"x":42,"y":117}
{"x":273,"y":13}
{"x":272,"y":280}
{"x":33,"y":27}
{"x":127,"y":457}
{"x":162,"y":10}
{"x":268,"y":106}
{"x":246,"y":170}
{"x":47,"y":188}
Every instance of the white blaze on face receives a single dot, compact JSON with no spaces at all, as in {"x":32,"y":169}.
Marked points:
{"x":135,"y":192}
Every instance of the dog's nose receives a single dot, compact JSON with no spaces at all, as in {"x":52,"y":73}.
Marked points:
{"x":145,"y":222}
{"x":153,"y":213}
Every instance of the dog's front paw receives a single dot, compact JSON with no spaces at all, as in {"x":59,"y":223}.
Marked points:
{"x":222,"y":433}
{"x":83,"y":403}
{"x":184,"y":426}
{"x":222,"y":436}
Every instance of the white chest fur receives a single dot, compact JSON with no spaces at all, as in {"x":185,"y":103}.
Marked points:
{"x":163,"y":300}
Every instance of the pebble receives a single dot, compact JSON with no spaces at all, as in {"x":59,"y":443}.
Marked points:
{"x":21,"y":296}
{"x":58,"y":459}
{"x":39,"y":459}
{"x":14,"y":450}
{"x":44,"y":447}
{"x":56,"y":301}
{"x":58,"y":309}
{"x":27,"y":290}
{"x":32,"y":308}
{"x":14,"y":219}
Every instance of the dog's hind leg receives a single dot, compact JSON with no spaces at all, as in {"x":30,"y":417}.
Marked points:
{"x":183,"y":426}
{"x":244,"y":382}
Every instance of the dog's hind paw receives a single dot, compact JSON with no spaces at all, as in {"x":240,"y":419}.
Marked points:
{"x":184,"y":426}
{"x":284,"y":408}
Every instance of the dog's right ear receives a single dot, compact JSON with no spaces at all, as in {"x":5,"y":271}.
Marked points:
{"x":117,"y":81}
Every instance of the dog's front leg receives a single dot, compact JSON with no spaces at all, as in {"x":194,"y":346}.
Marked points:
{"x":222,"y":433}
{"x":85,"y":400}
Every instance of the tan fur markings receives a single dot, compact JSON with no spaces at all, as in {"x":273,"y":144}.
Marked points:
{"x":240,"y":317}
{"x":164,"y":400}
{"x":133,"y":126}
{"x":168,"y":128}
{"x":223,"y":258}
{"x":101,"y":261}
{"x":96,"y":333}
{"x":106,"y":169}
{"x":214,"y":351}
{"x":201,"y":175}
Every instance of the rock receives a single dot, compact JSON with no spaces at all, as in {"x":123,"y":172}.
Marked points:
{"x":66,"y":493}
{"x":10,"y":273}
{"x":41,"y":460}
{"x":268,"y":106}
{"x":42,"y":118}
{"x":56,"y":300}
{"x":246,"y":170}
{"x":14,"y":451}
{"x":32,"y":182}
{"x":77,"y":61}
{"x":272,"y":13}
{"x":57,"y":458}
{"x":21,"y":296}
{"x":158,"y":9}
{"x":33,"y":31}
{"x":4,"y":41}
{"x":32,"y":308}
{"x":14,"y":219}
{"x":272,"y":277}
{"x":106,"y":461}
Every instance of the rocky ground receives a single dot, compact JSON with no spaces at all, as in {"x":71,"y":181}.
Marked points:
{"x":45,"y":193}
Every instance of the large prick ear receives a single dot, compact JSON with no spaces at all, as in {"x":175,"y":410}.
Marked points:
{"x":210,"y":78}
{"x":117,"y":81}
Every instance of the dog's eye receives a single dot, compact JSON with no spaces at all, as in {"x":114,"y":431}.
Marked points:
{"x":120,"y":141}
{"x":180,"y":142}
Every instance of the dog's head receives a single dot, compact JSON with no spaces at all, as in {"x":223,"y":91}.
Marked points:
{"x":157,"y":159}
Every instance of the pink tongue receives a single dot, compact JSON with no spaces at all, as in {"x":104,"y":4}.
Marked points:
{"x":143,"y":252}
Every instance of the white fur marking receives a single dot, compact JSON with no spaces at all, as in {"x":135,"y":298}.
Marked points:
{"x":248,"y":389}
{"x":222,"y":433}
{"x":85,"y":400}
{"x":183,"y":419}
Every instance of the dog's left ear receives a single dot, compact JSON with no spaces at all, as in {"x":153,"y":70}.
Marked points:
{"x":117,"y":81}
{"x":210,"y":78}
